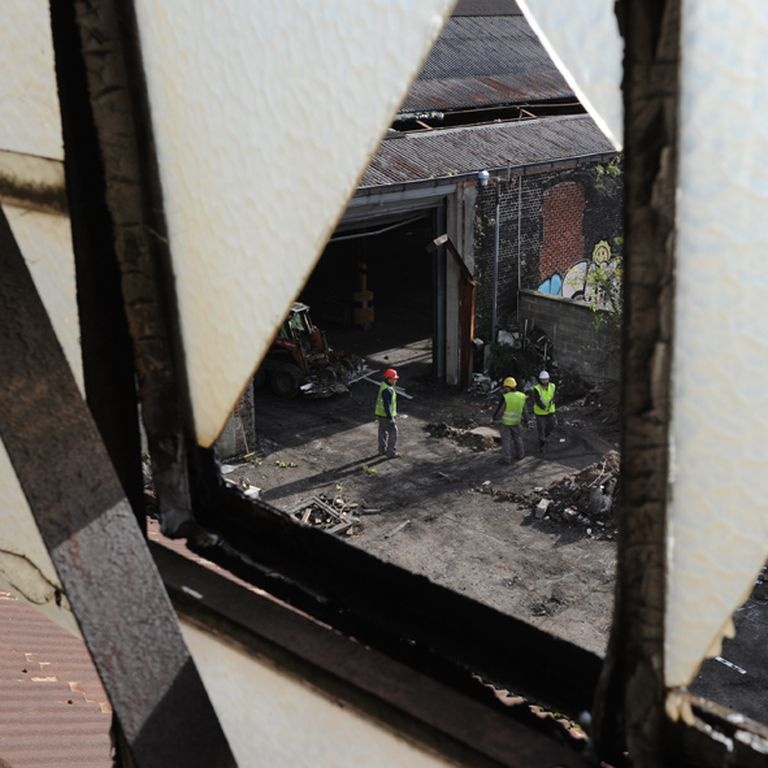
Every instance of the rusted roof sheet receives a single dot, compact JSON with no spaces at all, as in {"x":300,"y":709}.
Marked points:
{"x":484,"y":61}
{"x":454,"y":151}
{"x":53,"y":708}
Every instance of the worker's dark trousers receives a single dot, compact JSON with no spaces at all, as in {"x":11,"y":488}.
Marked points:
{"x":387,"y":436}
{"x":545,"y":425}
{"x":512,"y":436}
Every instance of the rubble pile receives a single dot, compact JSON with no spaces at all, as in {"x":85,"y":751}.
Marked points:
{"x":470,"y":436}
{"x":600,"y":406}
{"x":333,"y":515}
{"x":585,"y":498}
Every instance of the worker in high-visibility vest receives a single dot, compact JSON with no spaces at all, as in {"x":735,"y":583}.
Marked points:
{"x":386,"y":414}
{"x":511,"y":408}
{"x":544,"y":408}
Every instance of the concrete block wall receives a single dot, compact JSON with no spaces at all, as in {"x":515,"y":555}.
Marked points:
{"x":581,"y":342}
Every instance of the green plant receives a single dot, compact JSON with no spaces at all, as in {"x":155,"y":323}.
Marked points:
{"x":604,"y":291}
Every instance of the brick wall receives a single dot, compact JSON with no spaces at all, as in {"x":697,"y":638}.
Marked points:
{"x":563,"y":215}
{"x":590,"y":348}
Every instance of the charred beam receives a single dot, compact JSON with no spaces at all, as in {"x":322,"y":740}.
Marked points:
{"x":630,"y":704}
{"x":109,"y":48}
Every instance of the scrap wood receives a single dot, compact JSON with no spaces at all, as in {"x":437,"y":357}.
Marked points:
{"x":327,"y":508}
{"x":343,"y":526}
{"x":397,"y":389}
{"x":398,"y":529}
{"x":368,"y":372}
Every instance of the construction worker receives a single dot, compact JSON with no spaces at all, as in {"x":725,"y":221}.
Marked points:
{"x":386,"y":414}
{"x":544,"y":408}
{"x":510,"y":408}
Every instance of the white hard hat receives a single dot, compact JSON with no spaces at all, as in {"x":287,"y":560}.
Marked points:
{"x":543,"y":375}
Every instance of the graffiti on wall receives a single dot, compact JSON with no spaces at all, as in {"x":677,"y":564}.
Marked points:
{"x":564,"y":270}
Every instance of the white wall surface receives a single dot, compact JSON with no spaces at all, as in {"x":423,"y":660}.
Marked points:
{"x":582,"y":37}
{"x":264,"y":114}
{"x":718,"y":518}
{"x":45,"y":240}
{"x":275,"y":721}
{"x":30,"y":124}
{"x":29,"y":107}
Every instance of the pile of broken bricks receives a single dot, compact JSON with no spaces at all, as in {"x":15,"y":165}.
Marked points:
{"x":585,"y":498}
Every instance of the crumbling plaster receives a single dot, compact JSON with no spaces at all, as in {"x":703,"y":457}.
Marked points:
{"x":30,"y":124}
{"x":264,"y":116}
{"x":718,"y":524}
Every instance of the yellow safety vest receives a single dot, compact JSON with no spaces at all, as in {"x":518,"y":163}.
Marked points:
{"x":514,"y":402}
{"x":380,"y":411}
{"x":546,"y":395}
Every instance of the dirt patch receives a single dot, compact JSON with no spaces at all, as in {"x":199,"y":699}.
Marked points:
{"x":471,"y":436}
{"x":422,"y":511}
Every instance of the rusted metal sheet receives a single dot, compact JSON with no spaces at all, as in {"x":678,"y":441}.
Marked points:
{"x":500,"y":90}
{"x":53,"y":707}
{"x":483,"y":61}
{"x":94,"y":541}
{"x":456,"y":151}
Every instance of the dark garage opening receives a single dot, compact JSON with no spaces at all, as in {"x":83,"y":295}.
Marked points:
{"x":391,"y":256}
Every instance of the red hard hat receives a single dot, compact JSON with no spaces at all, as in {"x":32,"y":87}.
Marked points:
{"x":391,"y":373}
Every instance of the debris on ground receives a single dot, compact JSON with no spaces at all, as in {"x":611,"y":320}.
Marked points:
{"x":472,"y":436}
{"x":285,"y":464}
{"x":245,"y":486}
{"x":333,"y":515}
{"x":584,"y":498}
{"x":482,"y":383}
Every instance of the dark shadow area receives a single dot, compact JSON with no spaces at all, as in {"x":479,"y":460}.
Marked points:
{"x":738,"y":677}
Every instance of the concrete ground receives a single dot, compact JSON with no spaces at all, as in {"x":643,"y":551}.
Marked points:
{"x":434,"y":509}
{"x":442,"y":510}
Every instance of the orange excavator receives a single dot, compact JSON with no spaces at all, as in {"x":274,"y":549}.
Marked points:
{"x":300,"y":360}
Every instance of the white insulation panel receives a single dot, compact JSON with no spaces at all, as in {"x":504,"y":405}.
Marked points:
{"x":264,"y":115}
{"x":582,"y":37}
{"x":29,"y":107}
{"x":718,"y":518}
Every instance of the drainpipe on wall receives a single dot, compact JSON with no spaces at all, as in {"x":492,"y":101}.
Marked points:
{"x":519,"y":241}
{"x":494,"y":295}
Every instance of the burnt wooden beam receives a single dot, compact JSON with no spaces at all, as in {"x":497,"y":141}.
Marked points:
{"x":108,"y":371}
{"x":90,"y":531}
{"x":629,"y":708}
{"x":114,"y":87}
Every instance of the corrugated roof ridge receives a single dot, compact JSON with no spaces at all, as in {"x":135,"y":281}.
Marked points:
{"x":454,"y":129}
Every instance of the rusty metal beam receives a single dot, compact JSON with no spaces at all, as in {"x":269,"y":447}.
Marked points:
{"x":94,"y":541}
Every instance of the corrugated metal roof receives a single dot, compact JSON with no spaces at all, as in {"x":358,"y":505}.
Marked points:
{"x":486,"y":61}
{"x":455,"y":151}
{"x":486,"y":8}
{"x":53,"y":709}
